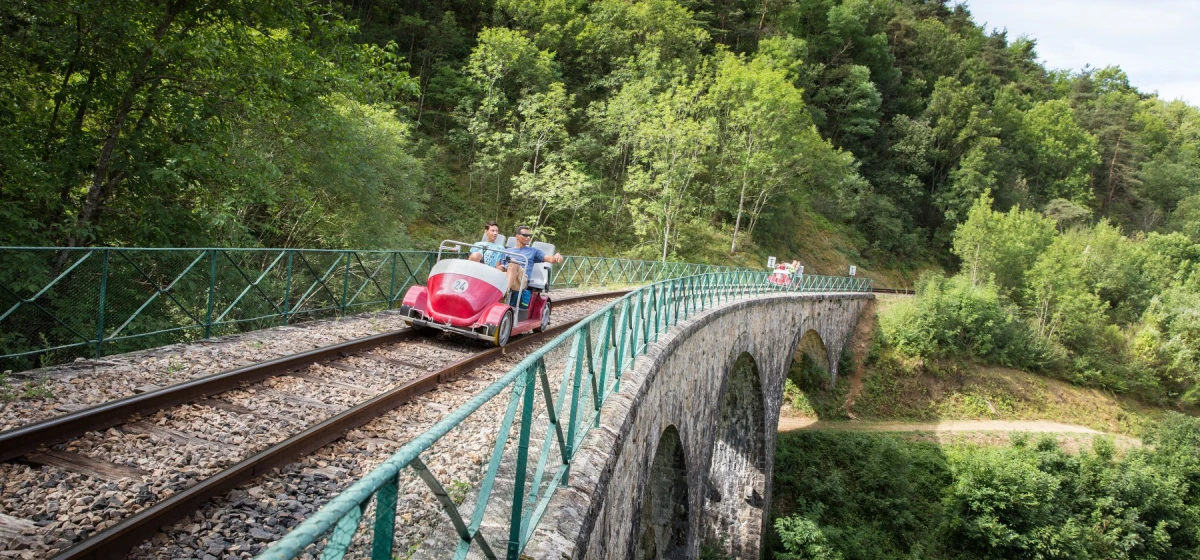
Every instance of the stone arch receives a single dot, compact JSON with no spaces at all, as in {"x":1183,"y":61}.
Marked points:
{"x":811,"y":366}
{"x":735,"y":487}
{"x":681,"y":381}
{"x":812,"y":346}
{"x":663,"y":526}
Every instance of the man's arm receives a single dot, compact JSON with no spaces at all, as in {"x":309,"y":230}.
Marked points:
{"x":541,"y":256}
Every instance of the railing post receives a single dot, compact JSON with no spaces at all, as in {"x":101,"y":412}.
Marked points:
{"x":287,"y":288}
{"x":384,"y":538}
{"x":606,"y":337}
{"x":518,"y":500}
{"x":345,"y":284}
{"x":212,"y":291}
{"x":676,"y":288}
{"x":578,"y":354}
{"x":100,"y":308}
{"x":392,"y":284}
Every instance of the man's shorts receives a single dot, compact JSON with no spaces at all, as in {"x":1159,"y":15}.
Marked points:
{"x":516,"y":282}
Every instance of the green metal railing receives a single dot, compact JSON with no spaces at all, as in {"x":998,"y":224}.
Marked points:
{"x":59,"y":304}
{"x":554,"y":397}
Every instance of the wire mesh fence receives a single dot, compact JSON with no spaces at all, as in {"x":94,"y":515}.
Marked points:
{"x":538,"y":414}
{"x":59,"y":304}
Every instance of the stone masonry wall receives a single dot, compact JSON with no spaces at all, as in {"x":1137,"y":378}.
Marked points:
{"x":681,"y":382}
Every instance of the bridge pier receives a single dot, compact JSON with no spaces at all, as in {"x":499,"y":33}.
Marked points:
{"x":684,"y":452}
{"x":735,"y":485}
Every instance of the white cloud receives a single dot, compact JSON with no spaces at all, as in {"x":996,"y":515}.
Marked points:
{"x":1156,"y":42}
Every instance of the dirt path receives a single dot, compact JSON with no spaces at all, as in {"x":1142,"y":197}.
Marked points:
{"x":1031,"y":426}
{"x":994,"y":432}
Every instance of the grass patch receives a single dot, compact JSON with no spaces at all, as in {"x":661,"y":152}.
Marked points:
{"x":39,"y":389}
{"x":807,"y":392}
{"x":7,"y":394}
{"x":896,"y":388}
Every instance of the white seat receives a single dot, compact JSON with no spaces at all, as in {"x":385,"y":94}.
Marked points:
{"x":539,"y":276}
{"x":512,"y":243}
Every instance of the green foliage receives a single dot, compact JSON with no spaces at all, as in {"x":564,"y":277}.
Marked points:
{"x":39,"y":389}
{"x":808,"y":391}
{"x":7,"y":394}
{"x":954,"y":318}
{"x":1027,"y":499}
{"x":458,"y":491}
{"x":267,"y":123}
{"x":803,"y":540}
{"x":1066,"y":308}
{"x":1003,"y":504}
{"x":1000,"y":247}
{"x":668,"y":134}
{"x":1169,"y":342}
{"x":1062,"y":153}
{"x":187,"y":124}
{"x":854,"y":496}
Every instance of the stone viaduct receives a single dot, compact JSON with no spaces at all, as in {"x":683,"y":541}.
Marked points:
{"x":685,"y":451}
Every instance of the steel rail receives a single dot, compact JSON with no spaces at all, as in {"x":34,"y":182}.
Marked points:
{"x":26,"y":439}
{"x":893,"y":291}
{"x":118,"y":540}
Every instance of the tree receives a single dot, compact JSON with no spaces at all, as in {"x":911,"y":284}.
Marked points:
{"x":1001,"y":247}
{"x":169,"y":115}
{"x":1064,"y":307}
{"x":669,"y":136}
{"x":1061,"y":152}
{"x":764,"y":134}
{"x":505,"y":67}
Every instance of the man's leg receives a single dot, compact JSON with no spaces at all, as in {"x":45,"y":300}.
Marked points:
{"x":476,"y":257}
{"x":516,"y":277}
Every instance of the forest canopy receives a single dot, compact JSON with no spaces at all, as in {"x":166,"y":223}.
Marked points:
{"x":656,"y":128}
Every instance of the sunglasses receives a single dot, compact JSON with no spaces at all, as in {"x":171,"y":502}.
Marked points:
{"x":524,"y":235}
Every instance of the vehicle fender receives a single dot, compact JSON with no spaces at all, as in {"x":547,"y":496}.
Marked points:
{"x":493,"y":314}
{"x":417,"y":298}
{"x":538,"y":303}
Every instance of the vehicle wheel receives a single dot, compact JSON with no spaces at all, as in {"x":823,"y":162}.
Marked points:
{"x":545,"y":318}
{"x":505,"y":329}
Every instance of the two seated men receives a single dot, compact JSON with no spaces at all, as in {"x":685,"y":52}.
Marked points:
{"x":488,"y":253}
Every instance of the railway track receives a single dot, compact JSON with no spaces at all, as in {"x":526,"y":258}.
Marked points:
{"x":313,"y":398}
{"x":893,"y":291}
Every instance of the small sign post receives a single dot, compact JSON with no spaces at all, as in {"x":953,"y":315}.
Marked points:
{"x":853,"y":269}
{"x":770,"y":262}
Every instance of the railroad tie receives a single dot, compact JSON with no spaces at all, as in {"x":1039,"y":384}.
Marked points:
{"x":83,"y":464}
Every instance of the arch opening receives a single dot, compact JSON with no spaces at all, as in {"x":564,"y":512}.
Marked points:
{"x":663,"y":523}
{"x":812,"y":349}
{"x":810,"y":389}
{"x":735,"y":494}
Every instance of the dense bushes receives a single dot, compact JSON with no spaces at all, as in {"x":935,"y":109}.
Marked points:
{"x":953,"y":318}
{"x":1088,"y":305}
{"x":862,"y":495}
{"x":854,"y":496}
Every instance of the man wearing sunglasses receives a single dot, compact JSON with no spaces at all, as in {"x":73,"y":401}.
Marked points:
{"x":516,"y":272}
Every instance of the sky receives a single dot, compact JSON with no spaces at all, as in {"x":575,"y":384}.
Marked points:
{"x":1156,"y":42}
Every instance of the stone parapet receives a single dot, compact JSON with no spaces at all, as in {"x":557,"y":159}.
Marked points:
{"x":717,"y":379}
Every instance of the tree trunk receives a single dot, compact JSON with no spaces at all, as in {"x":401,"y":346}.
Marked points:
{"x":666,"y":233}
{"x":737,"y":222}
{"x":1112,"y":185}
{"x":102,"y":181}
